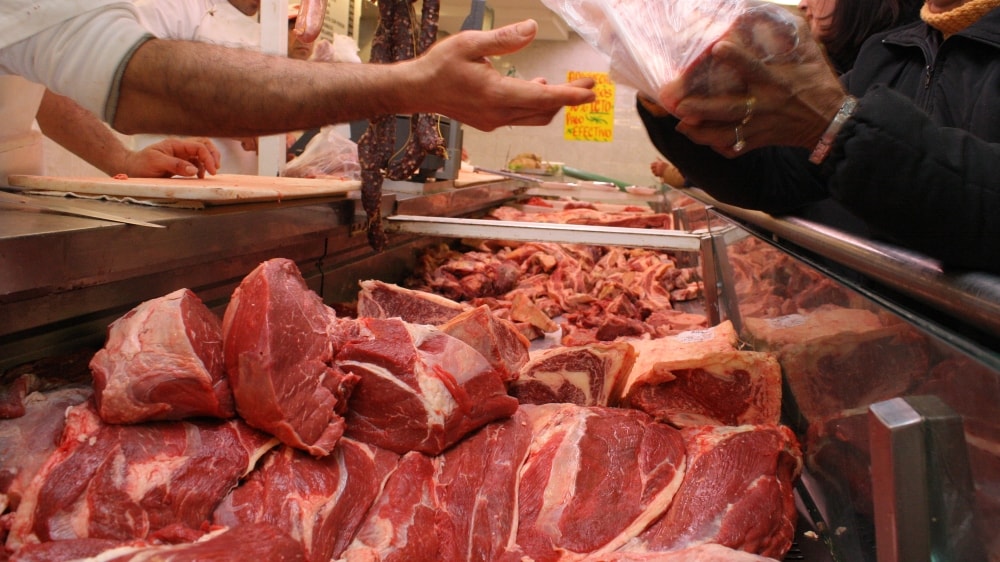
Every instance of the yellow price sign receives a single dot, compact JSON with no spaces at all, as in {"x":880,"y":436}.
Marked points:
{"x":594,"y":121}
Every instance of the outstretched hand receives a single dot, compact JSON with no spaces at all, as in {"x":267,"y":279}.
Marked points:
{"x":785,"y":103}
{"x":174,"y":157}
{"x":461,"y":82}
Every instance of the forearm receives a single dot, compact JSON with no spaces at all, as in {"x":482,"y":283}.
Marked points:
{"x":166,"y":87}
{"x":82,"y":133}
{"x":250,"y":94}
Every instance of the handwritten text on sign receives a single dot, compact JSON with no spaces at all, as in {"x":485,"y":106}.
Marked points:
{"x":593,"y":121}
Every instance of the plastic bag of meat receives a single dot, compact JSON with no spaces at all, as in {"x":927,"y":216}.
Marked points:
{"x":652,"y":44}
{"x":329,"y":153}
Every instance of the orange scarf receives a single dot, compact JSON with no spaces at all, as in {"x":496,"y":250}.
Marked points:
{"x":959,"y":18}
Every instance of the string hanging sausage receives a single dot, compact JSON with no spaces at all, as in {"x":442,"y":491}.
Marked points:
{"x":396,"y":39}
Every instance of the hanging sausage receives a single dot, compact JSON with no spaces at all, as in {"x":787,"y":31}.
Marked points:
{"x":396,"y":39}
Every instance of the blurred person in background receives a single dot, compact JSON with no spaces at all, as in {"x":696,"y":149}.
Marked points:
{"x":666,"y":172}
{"x":843,"y":25}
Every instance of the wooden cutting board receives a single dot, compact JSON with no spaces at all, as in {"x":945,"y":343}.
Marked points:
{"x":220,"y":189}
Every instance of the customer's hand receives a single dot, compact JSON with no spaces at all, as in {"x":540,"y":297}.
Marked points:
{"x":786,"y":103}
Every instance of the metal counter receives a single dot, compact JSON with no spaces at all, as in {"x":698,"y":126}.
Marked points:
{"x":64,"y":279}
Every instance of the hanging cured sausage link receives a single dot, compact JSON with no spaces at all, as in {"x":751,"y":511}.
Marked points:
{"x":425,"y":138}
{"x":396,"y":38}
{"x":376,"y":144}
{"x":309,"y":22}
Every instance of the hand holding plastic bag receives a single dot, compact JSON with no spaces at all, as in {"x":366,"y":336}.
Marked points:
{"x":658,"y":44}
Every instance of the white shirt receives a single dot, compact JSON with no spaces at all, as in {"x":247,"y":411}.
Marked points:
{"x":209,"y":21}
{"x":74,"y":47}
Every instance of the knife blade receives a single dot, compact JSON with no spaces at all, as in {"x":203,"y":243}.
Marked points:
{"x":66,"y":208}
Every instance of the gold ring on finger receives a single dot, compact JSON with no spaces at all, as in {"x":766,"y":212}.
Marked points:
{"x":741,"y":142}
{"x":750,"y":103}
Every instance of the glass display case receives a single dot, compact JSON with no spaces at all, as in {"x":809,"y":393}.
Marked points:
{"x":891,"y":366}
{"x":891,"y":381}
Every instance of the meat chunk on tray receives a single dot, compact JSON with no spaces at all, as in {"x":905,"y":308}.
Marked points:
{"x":163,"y":361}
{"x":737,"y":492}
{"x":265,"y":542}
{"x":280,"y":343}
{"x":586,"y":375}
{"x":319,"y":502}
{"x":378,"y":299}
{"x":26,"y":442}
{"x":498,"y":340}
{"x":128,"y":481}
{"x":419,"y":389}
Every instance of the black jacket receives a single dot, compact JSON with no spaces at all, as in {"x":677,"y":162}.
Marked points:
{"x":918,"y":164}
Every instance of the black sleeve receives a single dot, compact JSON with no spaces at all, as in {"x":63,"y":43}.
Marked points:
{"x":775,"y":180}
{"x":933,"y":189}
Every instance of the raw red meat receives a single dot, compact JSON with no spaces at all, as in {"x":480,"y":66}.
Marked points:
{"x":768,"y":32}
{"x":835,"y":359}
{"x":419,"y":389}
{"x":838,"y":458}
{"x":477,"y":482}
{"x":128,"y":481}
{"x":594,"y":479}
{"x":707,"y":552}
{"x":498,"y":340}
{"x":12,"y":397}
{"x":718,"y":388}
{"x":45,"y":374}
{"x":460,"y":505}
{"x":279,"y":347}
{"x":737,"y":492}
{"x":74,"y":549}
{"x":163,"y":361}
{"x":400,"y":526}
{"x":263,"y":542}
{"x":651,"y":353}
{"x":588,"y":375}
{"x":318,"y":502}
{"x":551,"y":481}
{"x":27,"y":441}
{"x":385,"y":300}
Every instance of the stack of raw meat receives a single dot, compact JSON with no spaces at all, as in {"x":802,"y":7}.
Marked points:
{"x":588,"y":293}
{"x":286,"y":432}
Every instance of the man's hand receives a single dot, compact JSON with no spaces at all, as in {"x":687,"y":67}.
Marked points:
{"x":459,"y":81}
{"x":174,"y":157}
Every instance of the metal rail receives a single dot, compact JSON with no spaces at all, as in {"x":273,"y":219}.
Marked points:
{"x":970,"y":297}
{"x":546,"y":232}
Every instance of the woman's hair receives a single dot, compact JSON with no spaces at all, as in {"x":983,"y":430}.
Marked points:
{"x":854,"y":21}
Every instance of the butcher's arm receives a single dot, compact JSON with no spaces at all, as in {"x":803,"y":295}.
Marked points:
{"x":167,"y":87}
{"x":82,"y":133}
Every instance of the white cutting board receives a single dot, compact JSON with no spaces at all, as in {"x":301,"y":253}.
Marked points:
{"x":220,"y":189}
